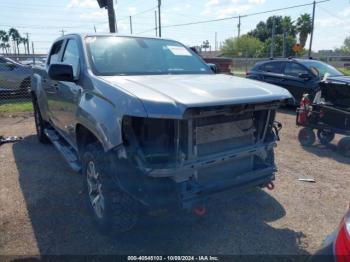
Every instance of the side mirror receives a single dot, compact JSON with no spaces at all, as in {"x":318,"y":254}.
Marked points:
{"x":213,"y":68}
{"x":305,"y":76}
{"x":61,"y":72}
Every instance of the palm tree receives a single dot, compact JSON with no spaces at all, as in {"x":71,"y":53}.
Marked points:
{"x":304,"y":27}
{"x":15,"y":37}
{"x":24,"y":41}
{"x":3,"y":39}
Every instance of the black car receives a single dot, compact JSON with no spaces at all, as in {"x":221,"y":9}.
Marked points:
{"x":298,"y":76}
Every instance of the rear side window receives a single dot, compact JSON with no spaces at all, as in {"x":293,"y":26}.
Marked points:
{"x":294,"y":69}
{"x":53,"y":57}
{"x":272,"y":67}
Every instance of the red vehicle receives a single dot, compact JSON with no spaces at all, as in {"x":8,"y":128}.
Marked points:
{"x":336,"y":246}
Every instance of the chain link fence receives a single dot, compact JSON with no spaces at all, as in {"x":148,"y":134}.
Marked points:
{"x":16,"y":71}
{"x":15,"y":80}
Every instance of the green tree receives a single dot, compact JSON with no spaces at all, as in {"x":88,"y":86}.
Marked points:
{"x":4,"y":38}
{"x":304,"y":28}
{"x":244,"y":46}
{"x":15,"y":37}
{"x":345,"y":48}
{"x":263,"y":30}
{"x":278,"y":48}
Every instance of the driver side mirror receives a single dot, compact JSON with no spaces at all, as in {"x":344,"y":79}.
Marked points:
{"x":213,"y":68}
{"x":61,"y":72}
{"x":305,"y":76}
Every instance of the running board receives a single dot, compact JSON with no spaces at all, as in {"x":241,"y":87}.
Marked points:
{"x":64,"y":148}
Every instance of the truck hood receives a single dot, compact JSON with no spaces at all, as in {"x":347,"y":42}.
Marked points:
{"x":173,"y":94}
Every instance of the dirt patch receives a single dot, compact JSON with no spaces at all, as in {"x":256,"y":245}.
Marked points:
{"x":42,"y":209}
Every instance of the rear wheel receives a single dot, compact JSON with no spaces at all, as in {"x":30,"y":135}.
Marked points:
{"x":40,"y":124}
{"x":113,"y":210}
{"x":344,"y":146}
{"x":325,"y":136}
{"x":306,"y":136}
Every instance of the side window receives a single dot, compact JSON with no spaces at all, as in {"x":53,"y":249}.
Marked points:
{"x":272,"y":67}
{"x":71,"y":56}
{"x":3,"y":65}
{"x":53,"y":58}
{"x":294,"y":69}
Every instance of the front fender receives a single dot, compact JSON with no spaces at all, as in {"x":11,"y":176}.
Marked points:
{"x":102,"y":118}
{"x":36,"y":88}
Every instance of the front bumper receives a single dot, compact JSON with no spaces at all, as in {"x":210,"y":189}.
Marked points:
{"x":165,"y":192}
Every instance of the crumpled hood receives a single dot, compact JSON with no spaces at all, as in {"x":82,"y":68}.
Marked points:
{"x":185,"y":91}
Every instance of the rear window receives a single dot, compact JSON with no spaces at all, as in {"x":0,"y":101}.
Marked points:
{"x":272,"y":67}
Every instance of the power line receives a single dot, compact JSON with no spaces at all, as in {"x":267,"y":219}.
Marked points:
{"x":235,"y":17}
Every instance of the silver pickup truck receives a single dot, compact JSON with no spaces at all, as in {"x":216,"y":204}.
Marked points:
{"x":151,"y":126}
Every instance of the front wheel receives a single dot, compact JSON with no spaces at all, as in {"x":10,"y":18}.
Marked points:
{"x":306,"y":136}
{"x":344,"y":146}
{"x":113,"y":210}
{"x":325,"y":136}
{"x":40,"y":124}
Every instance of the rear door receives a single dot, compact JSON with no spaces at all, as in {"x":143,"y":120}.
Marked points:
{"x":272,"y":72}
{"x":297,"y":86}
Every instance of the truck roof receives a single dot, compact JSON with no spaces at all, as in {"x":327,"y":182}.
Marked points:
{"x":83,"y":35}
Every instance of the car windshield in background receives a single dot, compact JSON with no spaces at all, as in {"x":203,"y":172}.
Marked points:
{"x":110,"y":55}
{"x":322,"y":68}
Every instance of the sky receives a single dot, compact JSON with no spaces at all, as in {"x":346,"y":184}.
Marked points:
{"x":45,"y":20}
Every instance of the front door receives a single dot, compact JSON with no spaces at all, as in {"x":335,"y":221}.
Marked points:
{"x":68,"y":93}
{"x":297,"y":86}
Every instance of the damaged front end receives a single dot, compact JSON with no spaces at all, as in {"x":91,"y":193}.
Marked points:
{"x":211,"y":150}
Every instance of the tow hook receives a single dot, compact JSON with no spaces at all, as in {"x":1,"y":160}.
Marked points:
{"x":200,"y":211}
{"x":270,"y":186}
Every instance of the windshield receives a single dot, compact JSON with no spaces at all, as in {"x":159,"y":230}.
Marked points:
{"x":111,"y":55}
{"x":321,"y":68}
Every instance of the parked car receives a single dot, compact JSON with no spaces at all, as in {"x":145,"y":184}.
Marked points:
{"x":37,"y":61}
{"x":150,"y":126}
{"x":298,"y":76}
{"x":14,"y":78}
{"x":336,"y":247}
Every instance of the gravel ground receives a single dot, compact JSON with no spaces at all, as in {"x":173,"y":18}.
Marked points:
{"x":42,"y":208}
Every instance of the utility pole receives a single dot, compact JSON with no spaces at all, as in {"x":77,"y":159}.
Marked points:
{"x":62,"y":31}
{"x":273,"y":38}
{"x":312,"y":29}
{"x":111,"y":16}
{"x":33,"y":53}
{"x":284,"y":42}
{"x":130,"y":20}
{"x":27,"y":43}
{"x":155,"y":22}
{"x":159,"y":19}
{"x":216,"y":41}
{"x":239,"y":26}
{"x":95,"y":28}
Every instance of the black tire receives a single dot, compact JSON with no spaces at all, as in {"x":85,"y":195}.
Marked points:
{"x":306,"y":136}
{"x":344,"y":146}
{"x":325,"y":136}
{"x":114,"y":210}
{"x":40,"y":124}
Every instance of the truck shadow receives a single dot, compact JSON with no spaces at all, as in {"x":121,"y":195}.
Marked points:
{"x":329,"y":151}
{"x":62,"y":224}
